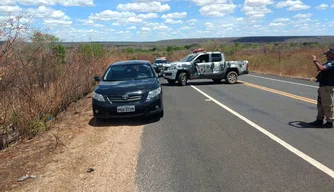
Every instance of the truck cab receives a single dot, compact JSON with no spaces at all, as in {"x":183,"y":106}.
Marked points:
{"x":205,"y":65}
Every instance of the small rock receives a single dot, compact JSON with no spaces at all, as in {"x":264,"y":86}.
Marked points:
{"x":23,"y":178}
{"x":89,"y":170}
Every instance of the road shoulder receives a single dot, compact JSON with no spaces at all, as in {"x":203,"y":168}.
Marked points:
{"x":61,"y":157}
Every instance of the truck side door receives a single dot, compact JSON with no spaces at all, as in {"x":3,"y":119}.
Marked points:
{"x":203,"y":64}
{"x":218,"y":63}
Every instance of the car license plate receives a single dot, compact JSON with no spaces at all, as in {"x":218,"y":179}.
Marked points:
{"x":125,"y":109}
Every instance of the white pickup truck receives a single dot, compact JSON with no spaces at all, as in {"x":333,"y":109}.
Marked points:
{"x":205,"y":65}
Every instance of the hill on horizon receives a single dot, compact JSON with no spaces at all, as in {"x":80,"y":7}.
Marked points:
{"x":196,"y":41}
{"x":228,"y":40}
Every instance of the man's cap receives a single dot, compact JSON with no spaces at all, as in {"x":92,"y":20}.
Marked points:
{"x":331,"y":50}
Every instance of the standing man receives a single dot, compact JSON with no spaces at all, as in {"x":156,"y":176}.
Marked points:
{"x":325,"y":90}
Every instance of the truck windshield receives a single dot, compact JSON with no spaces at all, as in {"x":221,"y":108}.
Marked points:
{"x":189,"y":58}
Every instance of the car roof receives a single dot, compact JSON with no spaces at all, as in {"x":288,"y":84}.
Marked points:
{"x":210,"y":52}
{"x":131,"y":62}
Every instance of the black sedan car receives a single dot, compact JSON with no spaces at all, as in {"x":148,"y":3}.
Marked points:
{"x":126,"y":89}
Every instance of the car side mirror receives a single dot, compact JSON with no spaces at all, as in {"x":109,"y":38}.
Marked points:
{"x":96,"y":78}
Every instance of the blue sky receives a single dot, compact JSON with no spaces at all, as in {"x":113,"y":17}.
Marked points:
{"x":152,"y":20}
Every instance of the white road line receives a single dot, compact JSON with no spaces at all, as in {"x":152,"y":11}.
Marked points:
{"x":302,"y":155}
{"x":283,"y":81}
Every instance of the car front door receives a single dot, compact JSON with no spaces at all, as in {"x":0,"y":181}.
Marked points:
{"x":203,"y":65}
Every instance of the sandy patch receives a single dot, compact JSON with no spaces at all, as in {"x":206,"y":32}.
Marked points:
{"x":61,"y":157}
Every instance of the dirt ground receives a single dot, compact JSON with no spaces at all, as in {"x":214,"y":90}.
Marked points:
{"x":61,"y":157}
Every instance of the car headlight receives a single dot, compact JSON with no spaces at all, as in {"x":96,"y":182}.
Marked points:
{"x":153,"y":93}
{"x":98,"y":97}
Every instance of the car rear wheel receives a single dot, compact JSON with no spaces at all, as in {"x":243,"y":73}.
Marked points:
{"x":182,"y":79}
{"x":231,"y":77}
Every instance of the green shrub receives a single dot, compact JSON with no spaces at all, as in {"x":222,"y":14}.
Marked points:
{"x":92,"y":50}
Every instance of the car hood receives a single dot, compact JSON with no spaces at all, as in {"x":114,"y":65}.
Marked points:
{"x":174,"y":64}
{"x":123,"y":87}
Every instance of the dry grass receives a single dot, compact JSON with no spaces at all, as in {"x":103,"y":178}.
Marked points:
{"x":35,"y":87}
{"x":287,"y":62}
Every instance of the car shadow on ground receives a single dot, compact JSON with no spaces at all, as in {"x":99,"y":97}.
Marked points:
{"x":197,"y":83}
{"x":134,"y":121}
{"x":303,"y":125}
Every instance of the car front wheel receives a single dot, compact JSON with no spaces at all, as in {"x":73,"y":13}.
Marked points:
{"x":182,"y":79}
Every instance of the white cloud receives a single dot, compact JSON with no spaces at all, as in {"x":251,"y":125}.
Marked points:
{"x":215,"y":8}
{"x":175,"y":15}
{"x":131,"y":28}
{"x":322,"y":7}
{"x":229,"y":25}
{"x":302,"y":16}
{"x":281,"y":20}
{"x":88,"y":22}
{"x":37,"y":2}
{"x":171,"y":21}
{"x":10,"y":9}
{"x":144,"y":7}
{"x":134,"y":20}
{"x":109,"y":15}
{"x":293,"y":5}
{"x":8,"y":2}
{"x":160,"y":27}
{"x":240,"y":19}
{"x":277,"y":24}
{"x":258,"y":3}
{"x":145,"y":29}
{"x":148,"y":16}
{"x":48,"y":13}
{"x":256,"y":8}
{"x":55,"y":22}
{"x":150,"y":24}
{"x":209,"y":24}
{"x":191,"y":21}
{"x":140,"y":1}
{"x":81,"y":3}
{"x":185,"y":28}
{"x":13,"y":19}
{"x":306,"y":20}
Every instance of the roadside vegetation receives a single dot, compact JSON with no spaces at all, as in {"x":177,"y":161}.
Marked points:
{"x":39,"y":77}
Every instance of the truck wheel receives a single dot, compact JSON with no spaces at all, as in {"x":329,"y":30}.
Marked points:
{"x":171,"y":82}
{"x":231,"y":77}
{"x":217,"y":80}
{"x":182,"y":79}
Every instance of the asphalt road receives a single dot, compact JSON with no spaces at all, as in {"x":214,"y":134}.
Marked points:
{"x":201,"y":146}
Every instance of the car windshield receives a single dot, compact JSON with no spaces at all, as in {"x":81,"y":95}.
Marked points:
{"x":128,"y":72}
{"x":160,"y":61}
{"x":189,"y":58}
